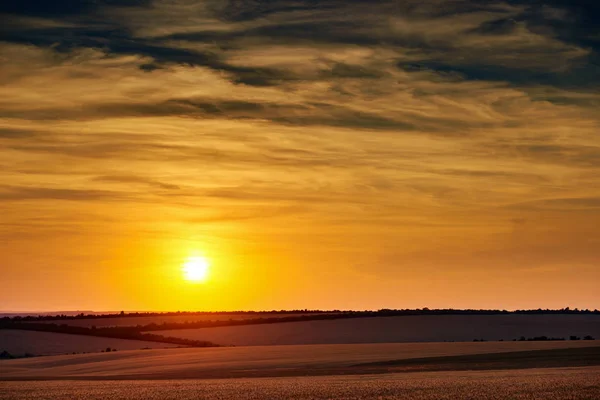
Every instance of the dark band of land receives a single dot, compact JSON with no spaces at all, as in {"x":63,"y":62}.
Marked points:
{"x":558,"y":358}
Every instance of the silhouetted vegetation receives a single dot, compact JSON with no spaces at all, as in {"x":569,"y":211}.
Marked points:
{"x":108,"y":350}
{"x":307,"y":314}
{"x":5,"y":355}
{"x":542,"y":339}
{"x":539,"y":339}
{"x":46,"y":317}
{"x":140,"y":332}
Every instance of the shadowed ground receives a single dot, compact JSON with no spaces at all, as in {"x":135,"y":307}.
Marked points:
{"x":280,"y":361}
{"x":557,"y":358}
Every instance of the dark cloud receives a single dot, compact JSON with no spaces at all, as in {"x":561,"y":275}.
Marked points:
{"x":110,"y":38}
{"x":240,"y":10}
{"x":344,"y":70}
{"x":501,"y":26}
{"x":119,"y":41}
{"x":244,"y":11}
{"x":513,"y":75}
{"x":327,"y":23}
{"x":576,"y":21}
{"x":63,"y":8}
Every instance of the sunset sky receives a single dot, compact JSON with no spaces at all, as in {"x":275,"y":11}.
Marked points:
{"x":317,"y":154}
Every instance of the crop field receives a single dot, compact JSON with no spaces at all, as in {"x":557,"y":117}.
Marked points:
{"x":146,"y":320}
{"x":261,"y":361}
{"x":420,"y":328}
{"x":531,"y":384}
{"x":19,"y":343}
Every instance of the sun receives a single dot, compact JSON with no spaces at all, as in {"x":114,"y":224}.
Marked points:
{"x":195,"y":269}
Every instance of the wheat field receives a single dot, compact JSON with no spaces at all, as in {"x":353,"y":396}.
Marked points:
{"x":532,"y":384}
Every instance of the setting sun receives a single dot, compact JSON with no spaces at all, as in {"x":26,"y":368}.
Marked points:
{"x":195,"y":269}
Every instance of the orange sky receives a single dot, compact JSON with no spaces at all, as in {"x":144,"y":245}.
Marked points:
{"x":419,"y":161}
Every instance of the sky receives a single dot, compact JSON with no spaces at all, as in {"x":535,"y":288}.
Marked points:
{"x":334,"y":154}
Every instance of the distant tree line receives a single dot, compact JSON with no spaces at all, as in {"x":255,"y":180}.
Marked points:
{"x":5,"y":355}
{"x":543,"y":339}
{"x":140,"y":332}
{"x":47,"y":317}
{"x":306,"y":314}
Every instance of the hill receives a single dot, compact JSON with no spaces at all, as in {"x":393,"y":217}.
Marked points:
{"x":18,"y":343}
{"x":417,"y":328}
{"x":220,"y":362}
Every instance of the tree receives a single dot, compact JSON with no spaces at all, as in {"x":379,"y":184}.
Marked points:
{"x":5,"y":355}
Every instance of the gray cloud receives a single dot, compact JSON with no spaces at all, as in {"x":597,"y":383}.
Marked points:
{"x":441,"y":36}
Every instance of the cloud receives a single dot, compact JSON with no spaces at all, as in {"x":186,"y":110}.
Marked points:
{"x":22,"y":193}
{"x":8,"y":133}
{"x":62,"y":8}
{"x":562,"y":204}
{"x":128,"y":179}
{"x":400,"y":121}
{"x":445,"y":36}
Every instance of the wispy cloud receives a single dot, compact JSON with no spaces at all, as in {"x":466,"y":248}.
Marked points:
{"x":338,"y":124}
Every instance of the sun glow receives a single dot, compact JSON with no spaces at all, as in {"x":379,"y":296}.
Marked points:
{"x":195,"y":269}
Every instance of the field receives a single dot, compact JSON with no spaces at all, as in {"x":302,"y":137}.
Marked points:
{"x":358,"y":358}
{"x":481,"y":370}
{"x":145,"y":320}
{"x":531,"y":384}
{"x":255,"y":361}
{"x":420,"y":328}
{"x":19,"y":343}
